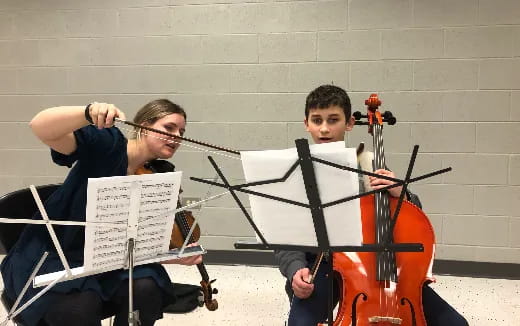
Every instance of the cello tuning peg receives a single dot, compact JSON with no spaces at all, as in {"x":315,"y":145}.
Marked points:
{"x":389,"y":118}
{"x":357,"y":115}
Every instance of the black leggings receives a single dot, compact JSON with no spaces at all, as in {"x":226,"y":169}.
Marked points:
{"x":87,"y":309}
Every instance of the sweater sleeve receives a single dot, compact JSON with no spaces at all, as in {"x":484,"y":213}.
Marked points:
{"x":289,"y":262}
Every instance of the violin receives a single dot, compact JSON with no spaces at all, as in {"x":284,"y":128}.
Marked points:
{"x":181,"y":228}
{"x":384,"y":288}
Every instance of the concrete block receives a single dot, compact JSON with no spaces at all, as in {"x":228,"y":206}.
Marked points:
{"x":412,"y":43}
{"x":353,"y":45}
{"x":92,"y":23}
{"x":499,"y":74}
{"x":144,"y":21}
{"x":442,"y":138}
{"x":303,"y":78}
{"x":478,"y":230}
{"x":304,"y":15}
{"x":218,"y":133}
{"x":32,"y":162}
{"x":224,"y":222}
{"x":318,"y":15}
{"x":476,"y":105}
{"x":213,"y":242}
{"x":381,"y":76}
{"x":497,"y":138}
{"x":424,"y":164}
{"x":497,"y":200}
{"x":514,"y":232}
{"x":42,"y":80}
{"x":144,"y":50}
{"x":65,"y":52}
{"x":412,"y":106}
{"x":18,"y":136}
{"x":476,"y":169}
{"x":6,"y":25}
{"x":445,"y":13}
{"x":373,"y":14}
{"x":515,"y":109}
{"x":230,"y":49}
{"x":493,"y":12}
{"x":256,"y":136}
{"x":445,"y":74}
{"x":478,"y":42}
{"x":39,"y":23}
{"x":452,"y":252}
{"x":24,"y":53}
{"x":514,"y":170}
{"x":265,"y":78}
{"x":516,"y":41}
{"x":291,"y":47}
{"x":436,"y":222}
{"x":203,"y":19}
{"x":295,"y":131}
{"x":497,"y":255}
{"x":336,"y":13}
{"x":8,"y":80}
{"x":199,"y":79}
{"x":446,"y":199}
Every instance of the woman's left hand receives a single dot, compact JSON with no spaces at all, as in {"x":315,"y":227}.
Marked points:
{"x":190,"y":260}
{"x":378,"y":183}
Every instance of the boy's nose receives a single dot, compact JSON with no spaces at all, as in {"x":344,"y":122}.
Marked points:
{"x":324,"y":129}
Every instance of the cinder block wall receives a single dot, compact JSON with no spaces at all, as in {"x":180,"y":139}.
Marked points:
{"x":448,"y":70}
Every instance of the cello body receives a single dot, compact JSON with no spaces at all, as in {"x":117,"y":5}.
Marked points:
{"x":363,"y":296}
{"x":385,"y":288}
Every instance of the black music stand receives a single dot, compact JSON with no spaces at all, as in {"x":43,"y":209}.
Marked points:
{"x":305,"y":161}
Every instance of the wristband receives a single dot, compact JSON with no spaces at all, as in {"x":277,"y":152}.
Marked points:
{"x":87,"y":114}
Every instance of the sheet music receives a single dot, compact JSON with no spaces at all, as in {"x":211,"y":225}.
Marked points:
{"x":143,"y":204}
{"x":283,"y":223}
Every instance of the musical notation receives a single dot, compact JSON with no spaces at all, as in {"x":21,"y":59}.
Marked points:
{"x":112,"y":200}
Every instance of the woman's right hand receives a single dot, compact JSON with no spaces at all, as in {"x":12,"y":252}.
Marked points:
{"x":300,"y":284}
{"x":104,"y":114}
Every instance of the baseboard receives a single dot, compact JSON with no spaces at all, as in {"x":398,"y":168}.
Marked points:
{"x":450,"y":267}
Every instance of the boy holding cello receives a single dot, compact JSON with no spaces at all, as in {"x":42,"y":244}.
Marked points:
{"x":327,"y":119}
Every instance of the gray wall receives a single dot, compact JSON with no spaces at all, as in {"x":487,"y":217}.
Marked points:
{"x":449,"y":70}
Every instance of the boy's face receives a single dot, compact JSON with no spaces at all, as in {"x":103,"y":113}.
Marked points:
{"x":328,"y":125}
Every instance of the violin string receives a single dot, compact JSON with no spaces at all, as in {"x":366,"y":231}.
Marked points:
{"x":184,"y":144}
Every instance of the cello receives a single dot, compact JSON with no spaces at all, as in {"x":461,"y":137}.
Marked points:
{"x":183,"y":222}
{"x":384,"y":288}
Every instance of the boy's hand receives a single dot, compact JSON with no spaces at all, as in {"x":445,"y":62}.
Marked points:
{"x":300,"y":287}
{"x":378,"y":183}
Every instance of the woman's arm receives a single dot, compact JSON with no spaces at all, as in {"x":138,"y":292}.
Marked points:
{"x":55,"y":126}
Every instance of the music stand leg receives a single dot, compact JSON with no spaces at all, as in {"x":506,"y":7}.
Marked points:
{"x":331,"y":289}
{"x":133,"y":316}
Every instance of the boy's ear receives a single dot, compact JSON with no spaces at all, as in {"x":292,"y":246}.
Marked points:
{"x":306,"y":122}
{"x":350,"y":123}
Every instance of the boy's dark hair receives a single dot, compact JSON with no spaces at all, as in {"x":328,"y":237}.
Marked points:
{"x":326,"y":96}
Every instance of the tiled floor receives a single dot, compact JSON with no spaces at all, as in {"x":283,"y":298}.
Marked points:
{"x":254,"y":296}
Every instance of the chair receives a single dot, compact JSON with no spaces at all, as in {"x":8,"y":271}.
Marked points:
{"x":18,"y":204}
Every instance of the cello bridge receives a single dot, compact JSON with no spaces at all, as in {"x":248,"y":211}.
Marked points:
{"x":383,"y":319}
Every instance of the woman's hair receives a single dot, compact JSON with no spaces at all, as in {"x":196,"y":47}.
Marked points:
{"x":153,"y":111}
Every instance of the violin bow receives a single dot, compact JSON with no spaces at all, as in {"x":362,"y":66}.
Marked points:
{"x":190,"y":140}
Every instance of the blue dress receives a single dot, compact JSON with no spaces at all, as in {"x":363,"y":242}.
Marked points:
{"x":100,"y":153}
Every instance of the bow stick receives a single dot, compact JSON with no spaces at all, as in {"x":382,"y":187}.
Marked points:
{"x":191,"y":140}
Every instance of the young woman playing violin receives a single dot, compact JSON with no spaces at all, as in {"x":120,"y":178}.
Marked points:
{"x":327,"y":119}
{"x":87,"y":140}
